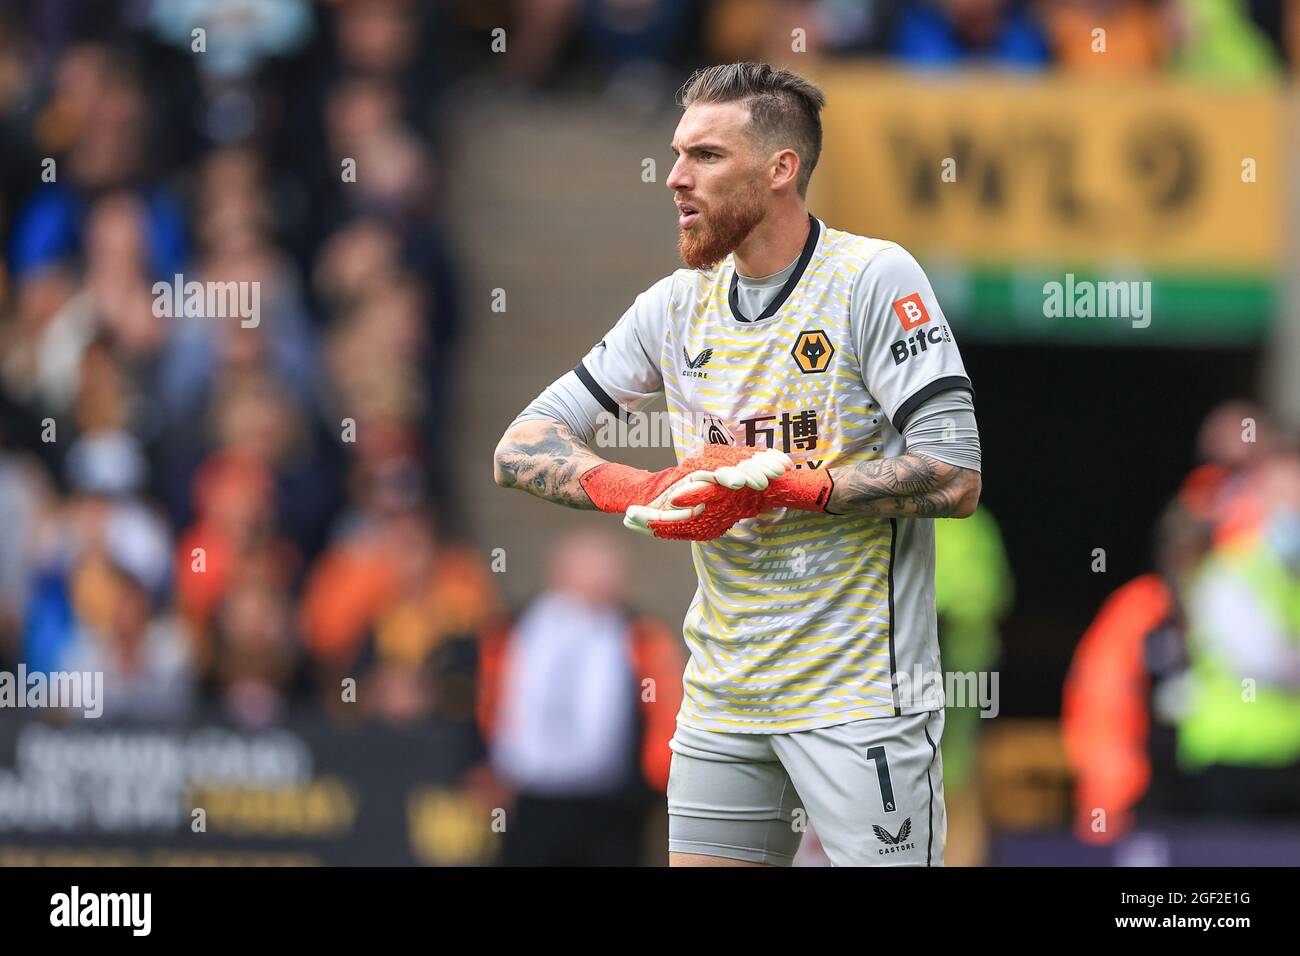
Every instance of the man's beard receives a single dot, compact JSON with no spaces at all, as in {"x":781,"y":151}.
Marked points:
{"x":718,"y":234}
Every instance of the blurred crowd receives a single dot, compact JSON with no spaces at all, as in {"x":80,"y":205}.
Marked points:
{"x":240,"y":510}
{"x":1183,"y":698}
{"x":631,"y":41}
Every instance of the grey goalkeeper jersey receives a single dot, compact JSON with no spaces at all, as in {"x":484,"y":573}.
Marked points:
{"x":801,"y":620}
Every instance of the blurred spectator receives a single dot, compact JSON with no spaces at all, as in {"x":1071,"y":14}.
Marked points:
{"x":44,"y":345}
{"x":143,"y":652}
{"x":1212,"y":39}
{"x":632,"y":40}
{"x":255,"y":652}
{"x":949,"y":33}
{"x":393,"y":606}
{"x":579,"y":701}
{"x":1235,"y":437}
{"x":1108,"y":36}
{"x":237,"y":33}
{"x":25,"y":494}
{"x":973,"y":591}
{"x":1239,"y":730}
{"x":68,"y":586}
{"x":95,"y":126}
{"x":1217,"y":41}
{"x":425,"y":637}
{"x":1120,"y":698}
{"x":396,"y":41}
{"x":234,"y":537}
{"x":236,"y":247}
{"x":761,"y":29}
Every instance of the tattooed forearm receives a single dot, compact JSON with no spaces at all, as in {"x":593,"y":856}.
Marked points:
{"x":545,"y":459}
{"x":908,"y":486}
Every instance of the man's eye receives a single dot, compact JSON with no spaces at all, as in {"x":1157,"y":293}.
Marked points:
{"x":705,"y":154}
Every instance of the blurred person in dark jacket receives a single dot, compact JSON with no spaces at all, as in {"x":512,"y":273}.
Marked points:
{"x":579,"y":699}
{"x":1121,"y":696}
{"x":26,"y":493}
{"x":256,"y":650}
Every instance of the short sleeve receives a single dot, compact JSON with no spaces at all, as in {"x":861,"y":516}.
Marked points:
{"x":622,"y":370}
{"x":906,"y":348}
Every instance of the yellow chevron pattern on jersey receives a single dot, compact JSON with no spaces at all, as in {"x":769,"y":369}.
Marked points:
{"x":791,"y":627}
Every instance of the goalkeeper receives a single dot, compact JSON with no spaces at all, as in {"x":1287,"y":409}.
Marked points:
{"x":822,"y":416}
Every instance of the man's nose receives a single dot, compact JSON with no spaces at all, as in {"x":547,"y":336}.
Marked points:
{"x":677,"y":178}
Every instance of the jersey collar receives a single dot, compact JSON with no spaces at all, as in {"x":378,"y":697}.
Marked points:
{"x":733,"y":298}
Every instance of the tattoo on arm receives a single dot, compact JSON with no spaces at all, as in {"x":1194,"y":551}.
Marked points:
{"x":546,"y":459}
{"x":907,"y":486}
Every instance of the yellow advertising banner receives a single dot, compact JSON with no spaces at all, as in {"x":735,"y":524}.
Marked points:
{"x":1001,"y":169}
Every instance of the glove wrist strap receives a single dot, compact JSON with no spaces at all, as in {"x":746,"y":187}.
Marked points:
{"x":805,"y":490}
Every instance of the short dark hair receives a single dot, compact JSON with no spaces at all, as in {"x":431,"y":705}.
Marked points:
{"x":784,"y":108}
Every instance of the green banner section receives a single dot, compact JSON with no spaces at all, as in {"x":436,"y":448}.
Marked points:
{"x":993,"y":305}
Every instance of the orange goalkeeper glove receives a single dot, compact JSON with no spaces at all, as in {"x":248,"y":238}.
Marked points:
{"x":687,"y":502}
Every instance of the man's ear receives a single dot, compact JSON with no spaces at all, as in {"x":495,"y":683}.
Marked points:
{"x":785,"y":168}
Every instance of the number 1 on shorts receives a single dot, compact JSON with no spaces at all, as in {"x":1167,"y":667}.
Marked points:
{"x":877,"y":754}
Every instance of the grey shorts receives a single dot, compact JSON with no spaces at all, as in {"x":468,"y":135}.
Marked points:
{"x":873,"y":789}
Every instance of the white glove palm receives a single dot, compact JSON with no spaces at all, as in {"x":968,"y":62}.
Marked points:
{"x":753,"y":472}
